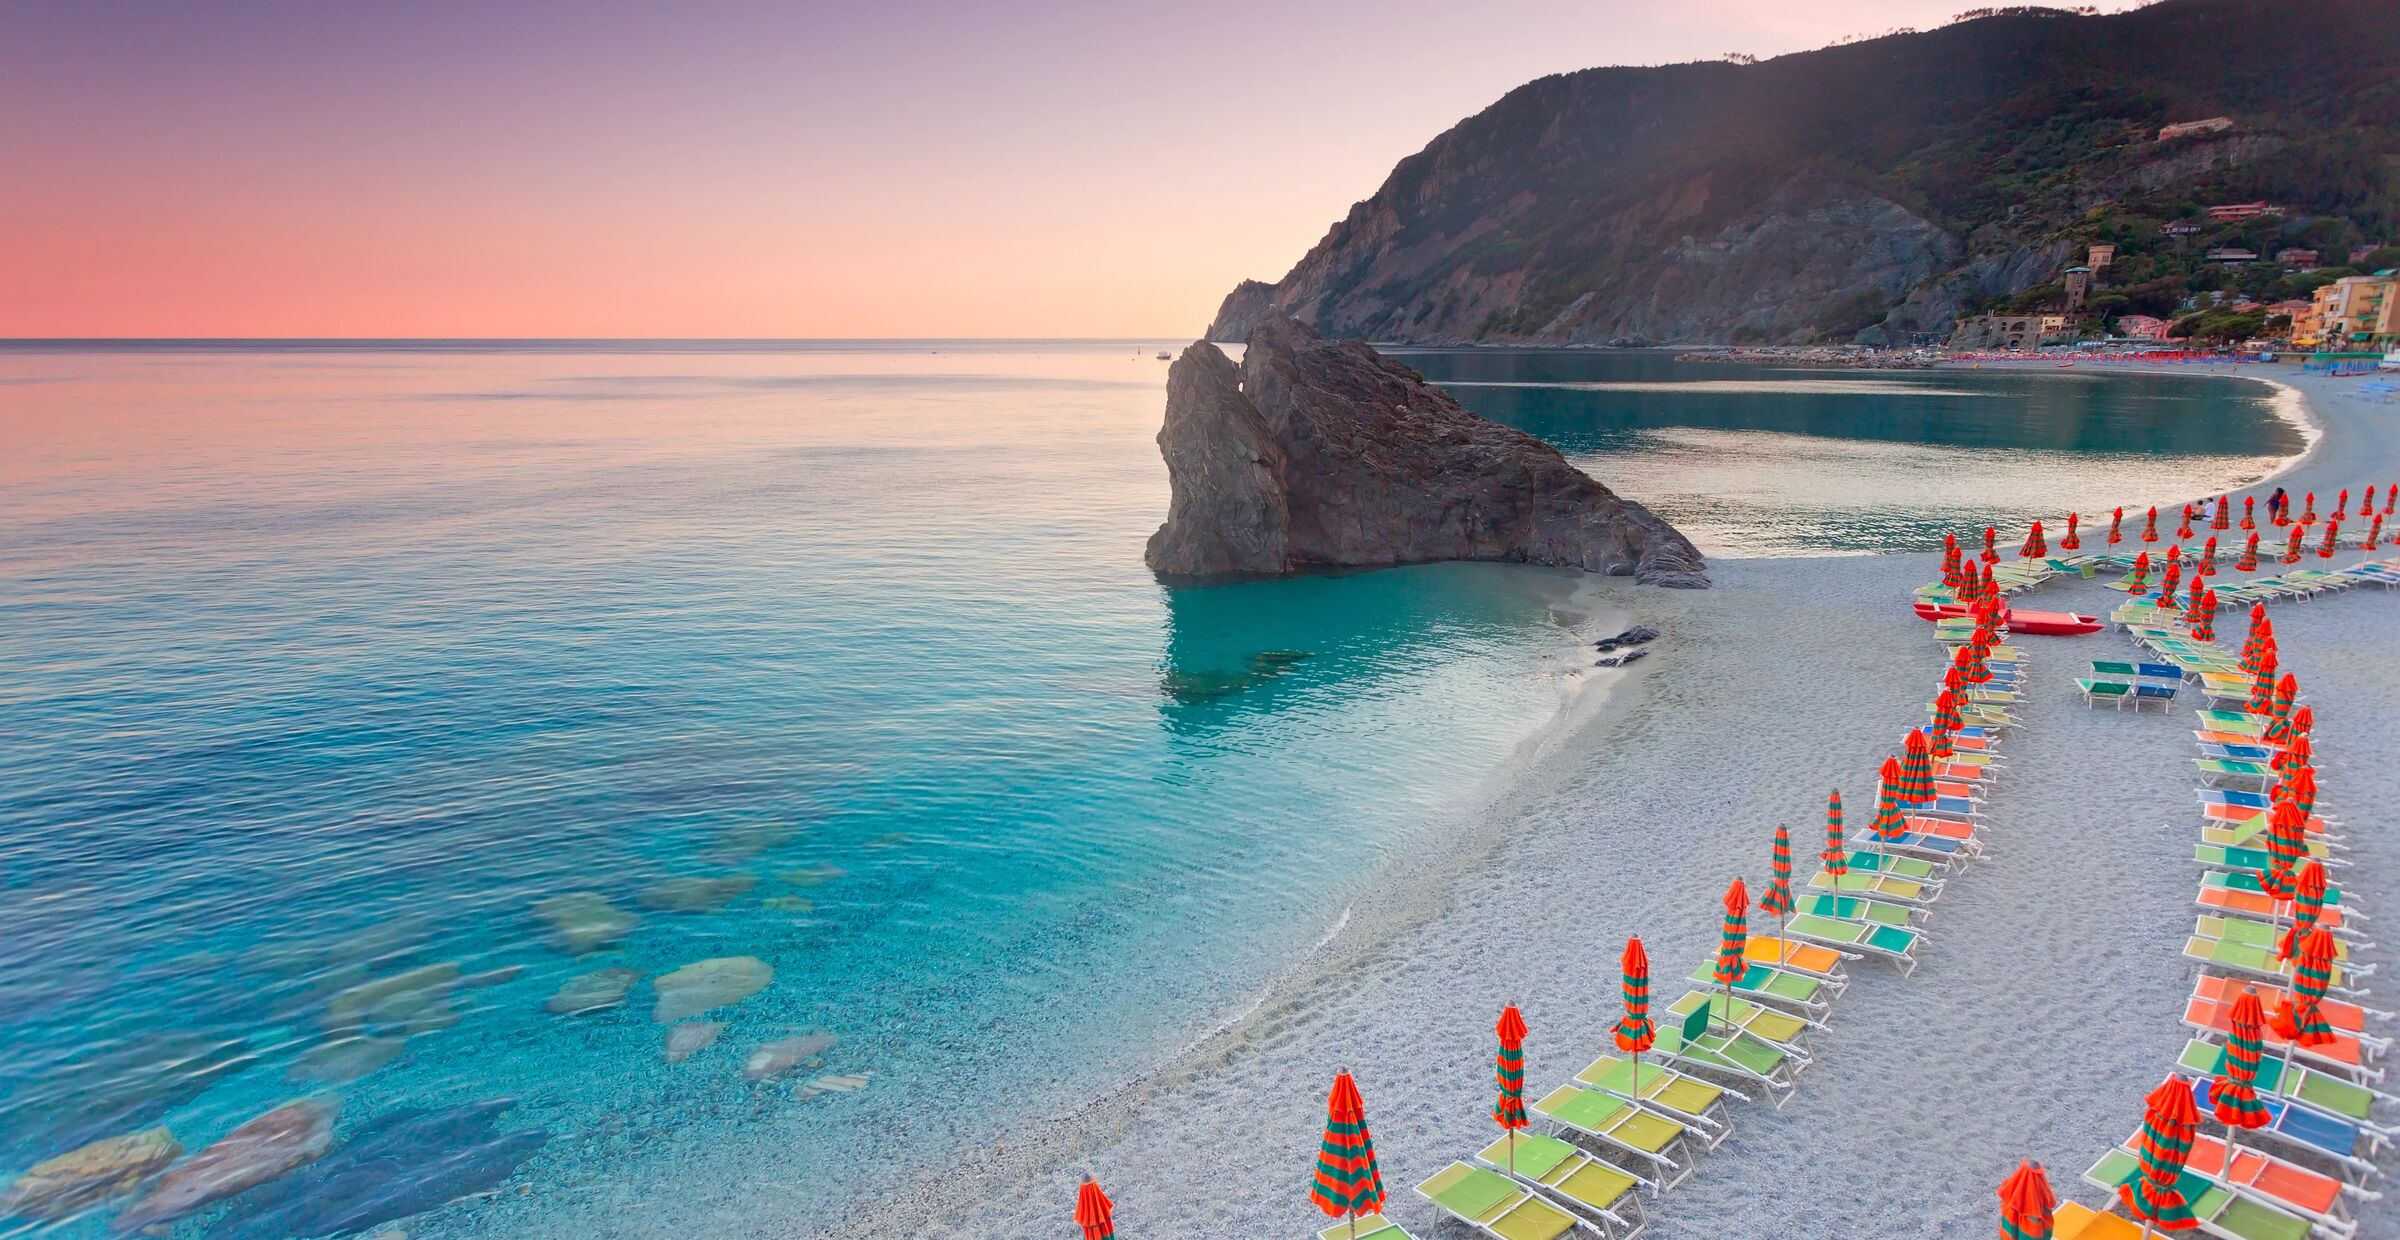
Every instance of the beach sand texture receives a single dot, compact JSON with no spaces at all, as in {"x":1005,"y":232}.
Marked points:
{"x":2050,"y":994}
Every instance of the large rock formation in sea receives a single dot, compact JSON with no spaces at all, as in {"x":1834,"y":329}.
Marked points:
{"x":1871,"y":191}
{"x":1323,"y":454}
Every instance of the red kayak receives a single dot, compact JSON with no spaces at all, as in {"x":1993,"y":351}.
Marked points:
{"x":2038,"y":623}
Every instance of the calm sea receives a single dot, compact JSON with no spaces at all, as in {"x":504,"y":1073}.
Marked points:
{"x":331,"y":668}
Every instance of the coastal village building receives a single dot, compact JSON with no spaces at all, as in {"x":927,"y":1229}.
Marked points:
{"x":2100,"y":256}
{"x":2180,"y":230}
{"x":2079,"y":286}
{"x":2354,"y":312}
{"x":2141,"y":327}
{"x":2295,"y":257}
{"x":2232,"y":254}
{"x":2009,"y":331}
{"x":2187,"y":129}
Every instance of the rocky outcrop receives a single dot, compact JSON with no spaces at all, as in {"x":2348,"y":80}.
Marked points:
{"x":289,"y":1136}
{"x":62,"y":1187}
{"x":1320,"y":454}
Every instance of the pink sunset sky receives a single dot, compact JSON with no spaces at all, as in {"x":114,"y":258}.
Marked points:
{"x":913,"y":168}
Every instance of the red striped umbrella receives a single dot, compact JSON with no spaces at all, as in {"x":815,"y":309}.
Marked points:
{"x":2262,"y":692}
{"x":2287,"y":842}
{"x":1946,"y":722}
{"x":2258,"y":631}
{"x":1348,"y":1183}
{"x":2026,"y":1204}
{"x":2073,"y":541}
{"x":2137,"y":580}
{"x":2333,"y":539}
{"x":1094,"y":1212}
{"x":2035,"y":547}
{"x":1836,"y":857}
{"x":2391,"y":495}
{"x":2167,"y":582}
{"x":2150,"y":530}
{"x":1950,"y":561}
{"x":2304,"y":721}
{"x":2169,"y":1122}
{"x":2224,"y":517}
{"x":2300,"y":750}
{"x":1731,"y":963}
{"x":2308,"y":515}
{"x":2301,"y":1016}
{"x":2291,"y":550}
{"x":1888,"y":823}
{"x":2280,"y":730}
{"x":1509,"y":1110}
{"x":2116,"y":527}
{"x":1777,"y":898}
{"x":2308,"y":904}
{"x":2234,"y":1093}
{"x":2203,"y":614}
{"x":2208,"y":558}
{"x":2184,"y":529}
{"x":1634,"y":1032}
{"x":1916,"y":769}
{"x":2374,"y":532}
{"x":2341,"y":504}
{"x":2247,"y":562}
{"x":2300,"y":784}
{"x":1991,"y":553}
{"x":2249,"y":511}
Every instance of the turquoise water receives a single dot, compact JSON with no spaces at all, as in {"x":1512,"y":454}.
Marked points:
{"x":328,"y":666}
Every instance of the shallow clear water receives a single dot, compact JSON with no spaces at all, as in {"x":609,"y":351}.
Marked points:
{"x":327,"y":667}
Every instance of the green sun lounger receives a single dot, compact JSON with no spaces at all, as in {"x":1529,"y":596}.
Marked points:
{"x":1699,"y":1105}
{"x":2240,"y":956}
{"x":2237,"y":880}
{"x":2253,"y":933}
{"x":1905,"y":867}
{"x":1370,"y":1227}
{"x":2221,"y":1211}
{"x":1771,"y":985}
{"x":1698,"y":1045}
{"x":2280,"y":1077}
{"x":1855,"y":909}
{"x":2236,"y":723}
{"x":1890,"y":942}
{"x":1619,"y":1124}
{"x":1886,"y":886}
{"x":2217,"y":772}
{"x":2229,"y":857}
{"x":1561,"y":1170}
{"x":1759,"y":1021}
{"x":1493,"y":1204}
{"x":2104,"y":692}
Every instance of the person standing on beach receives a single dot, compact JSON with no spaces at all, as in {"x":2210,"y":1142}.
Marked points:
{"x":2277,"y":504}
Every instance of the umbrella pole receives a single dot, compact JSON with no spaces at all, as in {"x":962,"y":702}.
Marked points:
{"x":1512,"y":1151}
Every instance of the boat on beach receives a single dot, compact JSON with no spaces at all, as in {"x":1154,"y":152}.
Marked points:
{"x":2038,"y":623}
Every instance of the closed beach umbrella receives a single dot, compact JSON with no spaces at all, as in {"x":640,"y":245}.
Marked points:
{"x":2333,"y":539}
{"x":2391,"y":495}
{"x":1946,"y":723}
{"x":2026,"y":1204}
{"x":2287,"y":842}
{"x":2150,"y":528}
{"x":2137,"y":581}
{"x":1835,"y":856}
{"x":1094,"y":1212}
{"x":2234,"y":1093}
{"x":2291,"y":550}
{"x":2175,"y":554}
{"x":2183,"y":528}
{"x":2308,"y":905}
{"x":1634,"y":1032}
{"x":1777,"y":898}
{"x":2204,"y":605}
{"x":2260,"y":628}
{"x":2116,"y":527}
{"x":2034,"y":548}
{"x":2304,"y":721}
{"x":1916,"y":769}
{"x":1950,"y":560}
{"x":2374,"y":532}
{"x":2262,"y":692}
{"x":2208,"y":558}
{"x":1509,"y":1111}
{"x":2247,"y":561}
{"x":1348,"y":1183}
{"x":1731,"y":963}
{"x":2341,"y":504}
{"x":1888,"y":824}
{"x":2300,"y":1018}
{"x":2167,"y":582}
{"x":2169,"y":1122}
{"x":2308,"y":515}
{"x":2301,"y":750}
{"x":2074,"y":540}
{"x":2224,"y":517}
{"x":2249,"y":511}
{"x":1991,"y":552}
{"x":2300,"y":784}
{"x":2280,"y":731}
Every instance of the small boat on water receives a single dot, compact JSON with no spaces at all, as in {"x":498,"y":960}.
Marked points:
{"x":1165,"y":356}
{"x":2037,"y":623}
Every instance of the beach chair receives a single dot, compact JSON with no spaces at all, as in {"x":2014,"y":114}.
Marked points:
{"x":1565,"y":1173}
{"x":2234,"y":723}
{"x":1702,"y":1107}
{"x":1879,"y":886}
{"x":1767,"y":1024}
{"x":2234,"y":797}
{"x":2236,"y":857}
{"x":1821,"y":963}
{"x":2279,"y":1077}
{"x":1617,"y":1123}
{"x":2343,"y":1015}
{"x":1855,"y":909}
{"x":2255,"y":905}
{"x":2345,"y":1056}
{"x":1796,"y":992}
{"x":2221,"y":1212}
{"x":1497,"y":1206}
{"x":2235,"y":880}
{"x":1370,"y":1227}
{"x":2075,"y":1221}
{"x":1697,"y":1045}
{"x":2252,"y":1172}
{"x":1894,"y":943}
{"x":2116,"y":693}
{"x":2247,"y":948}
{"x":2309,"y":1132}
{"x":1930,"y":873}
{"x":2147,"y":693}
{"x":2231,"y":773}
{"x":2237,"y":753}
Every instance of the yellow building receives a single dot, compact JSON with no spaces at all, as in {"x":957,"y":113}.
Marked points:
{"x":2353,"y":312}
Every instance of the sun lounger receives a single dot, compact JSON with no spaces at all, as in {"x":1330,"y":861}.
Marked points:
{"x":1893,"y":943}
{"x":1928,"y":872}
{"x":1821,"y":963}
{"x":1855,"y":909}
{"x":2226,"y":773}
{"x":1559,"y":1170}
{"x":1617,"y":1123}
{"x":1495,"y":1205}
{"x":2250,"y":835}
{"x":2279,"y":1077}
{"x":2256,"y":905}
{"x":2220,"y":1211}
{"x":2238,"y":753}
{"x":1696,"y":1045}
{"x":2152,"y":693}
{"x":2237,"y":881}
{"x":2262,"y":1177}
{"x":1702,"y":1107}
{"x":1765,"y":1023}
{"x":2255,"y":859}
{"x":1879,"y":886}
{"x":2247,"y":948}
{"x":2235,"y":797}
{"x":2117,"y":693}
{"x":2244,"y":815}
{"x":2118,"y":669}
{"x":2313,"y":1132}
{"x":2345,"y":1055}
{"x":2235,"y":723}
{"x":1796,"y":991}
{"x":2075,"y":1221}
{"x":1370,"y":1227}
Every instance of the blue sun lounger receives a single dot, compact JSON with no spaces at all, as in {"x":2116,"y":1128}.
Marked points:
{"x":2230,"y":796}
{"x":2314,"y":1131}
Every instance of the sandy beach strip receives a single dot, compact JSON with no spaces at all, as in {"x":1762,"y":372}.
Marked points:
{"x":2049,"y":999}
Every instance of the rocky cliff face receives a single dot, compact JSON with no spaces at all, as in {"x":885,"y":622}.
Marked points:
{"x":1320,"y":454}
{"x":1868,"y":191}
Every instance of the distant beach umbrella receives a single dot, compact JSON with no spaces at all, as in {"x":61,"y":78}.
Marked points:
{"x":2300,"y":1018}
{"x":2073,"y":541}
{"x":2137,"y":581}
{"x":1732,"y":942}
{"x":2374,"y":532}
{"x":2333,"y":539}
{"x":2169,"y":1122}
{"x":2279,"y":731}
{"x":2203,"y":614}
{"x":2341,"y":505}
{"x":1916,"y":769}
{"x":1889,"y":823}
{"x":2208,"y":558}
{"x":2300,"y":784}
{"x":1991,"y":552}
{"x":2175,"y":554}
{"x":1509,"y":1071}
{"x":2391,"y":495}
{"x":1634,"y":1032}
{"x":2150,"y":528}
{"x":1348,"y":1184}
{"x":1094,"y":1212}
{"x":2262,"y":692}
{"x":2194,"y":590}
{"x":1777,"y":898}
{"x":2287,"y":842}
{"x":2297,"y":752}
{"x":1836,"y":857}
{"x":2116,"y":528}
{"x":2308,"y":908}
{"x":1950,"y":575}
{"x":2304,"y":721}
{"x":2249,"y":518}
{"x":2260,"y":627}
{"x":2034,"y":548}
{"x":2167,"y":582}
{"x":2291,"y":550}
{"x":2183,"y":528}
{"x":2027,"y":1204}
{"x":1946,"y":722}
{"x":2233,"y":1095}
{"x":2308,"y":515}
{"x":2224,"y":518}
{"x":2247,"y":562}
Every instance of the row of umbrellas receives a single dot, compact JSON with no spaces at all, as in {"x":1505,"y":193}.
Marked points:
{"x":2036,"y":544}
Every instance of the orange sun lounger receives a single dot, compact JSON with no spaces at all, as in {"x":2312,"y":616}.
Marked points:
{"x":2217,"y":1017}
{"x":2307,"y":1192}
{"x":2256,"y":906}
{"x":2346,"y":1017}
{"x":1806,"y":957}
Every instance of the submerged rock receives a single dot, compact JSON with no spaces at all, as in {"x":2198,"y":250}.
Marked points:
{"x":784,"y":1054}
{"x":692,"y":1037}
{"x":592,"y":992}
{"x":706,"y":984}
{"x":414,"y":1001}
{"x":397,"y":1165}
{"x":344,"y":1060}
{"x":694,"y":895}
{"x":812,"y":875}
{"x":582,"y":922}
{"x":61,"y":1187}
{"x":1321,"y":454}
{"x":820,"y":1086}
{"x":790,"y":904}
{"x":291,"y":1135}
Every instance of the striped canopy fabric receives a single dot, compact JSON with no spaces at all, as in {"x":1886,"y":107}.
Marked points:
{"x":1946,"y":722}
{"x":2300,"y":750}
{"x":2341,"y":504}
{"x":2074,"y":540}
{"x":2333,"y":540}
{"x":1094,"y":1213}
{"x":2224,"y":518}
{"x":1991,"y":552}
{"x":2374,"y":532}
{"x":2304,"y":721}
{"x":2116,"y":527}
{"x":2247,"y":561}
{"x":2287,"y":842}
{"x":1348,"y":1183}
{"x":1777,"y":898}
{"x":2249,"y":512}
{"x":2300,"y":786}
{"x":2169,"y":581}
{"x":1634,"y":1032}
{"x":2035,"y":545}
{"x":2208,"y":558}
{"x":1889,"y":824}
{"x":2301,"y":1015}
{"x":2262,"y":694}
{"x":2291,"y":550}
{"x":2026,"y":1204}
{"x":2137,"y":581}
{"x":2204,"y":606}
{"x":1835,"y":857}
{"x":2308,"y":515}
{"x":1736,"y":935}
{"x":2183,"y":528}
{"x":1509,"y":1111}
{"x":2150,"y":528}
{"x":2308,"y":908}
{"x":1916,"y":769}
{"x":2235,"y":1091}
{"x":1950,"y":561}
{"x":2168,"y":1126}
